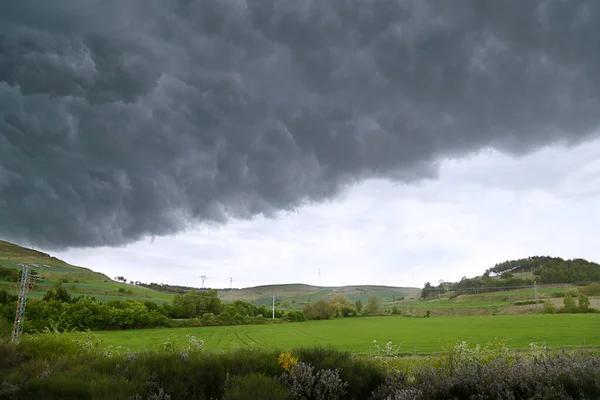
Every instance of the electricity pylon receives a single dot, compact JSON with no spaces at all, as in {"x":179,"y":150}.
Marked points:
{"x":203,"y":277}
{"x":24,"y":287}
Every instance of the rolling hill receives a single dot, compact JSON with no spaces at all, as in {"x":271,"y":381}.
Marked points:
{"x":297,"y":294}
{"x":77,"y":280}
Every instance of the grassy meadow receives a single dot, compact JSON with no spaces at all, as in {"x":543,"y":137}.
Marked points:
{"x":356,"y":335}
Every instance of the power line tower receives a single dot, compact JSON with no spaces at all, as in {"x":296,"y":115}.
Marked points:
{"x":203,"y":277}
{"x":24,"y":287}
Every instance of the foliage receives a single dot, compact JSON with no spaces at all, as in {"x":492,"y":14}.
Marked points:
{"x":56,"y":365}
{"x":552,"y":269}
{"x":362,"y":375}
{"x":593,"y":289}
{"x":373,"y":305}
{"x":556,"y":377}
{"x":255,"y":386}
{"x":584,"y":303}
{"x":358,"y":305}
{"x":319,"y":310}
{"x":485,"y":284}
{"x":549,"y":307}
{"x":5,"y":328}
{"x":569,"y":304}
{"x":286,"y":361}
{"x":195,"y":303}
{"x":386,"y":355}
{"x":339,"y":306}
{"x":59,"y":293}
{"x":304,"y":384}
{"x":9,"y":274}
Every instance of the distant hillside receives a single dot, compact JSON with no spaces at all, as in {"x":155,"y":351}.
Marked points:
{"x":12,"y":254}
{"x":297,"y":294}
{"x":77,"y":280}
{"x":514,"y":274}
{"x":551,"y":269}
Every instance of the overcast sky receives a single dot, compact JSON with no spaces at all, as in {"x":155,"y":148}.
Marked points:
{"x":384,"y":141}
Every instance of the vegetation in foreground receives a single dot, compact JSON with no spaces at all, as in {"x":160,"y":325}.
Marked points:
{"x":55,"y":365}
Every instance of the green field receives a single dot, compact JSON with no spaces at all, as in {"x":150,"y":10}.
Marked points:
{"x":357,"y":334}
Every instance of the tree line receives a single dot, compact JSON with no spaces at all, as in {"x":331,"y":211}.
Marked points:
{"x":59,"y":310}
{"x":551,"y":269}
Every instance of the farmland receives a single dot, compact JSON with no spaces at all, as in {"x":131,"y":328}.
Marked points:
{"x":357,"y":334}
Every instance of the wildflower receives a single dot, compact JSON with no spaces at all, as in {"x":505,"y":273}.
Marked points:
{"x":287,"y":362}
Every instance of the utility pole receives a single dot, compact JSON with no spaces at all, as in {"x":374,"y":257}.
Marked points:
{"x":24,"y":287}
{"x":535,"y":291}
{"x":273,"y":307}
{"x":230,"y":282}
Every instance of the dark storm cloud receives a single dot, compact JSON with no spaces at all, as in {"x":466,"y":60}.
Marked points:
{"x":121,"y":119}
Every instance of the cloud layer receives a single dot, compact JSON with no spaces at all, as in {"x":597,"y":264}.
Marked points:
{"x":123,"y":119}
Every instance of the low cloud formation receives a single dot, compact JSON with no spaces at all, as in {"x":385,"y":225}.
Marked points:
{"x":122,"y":119}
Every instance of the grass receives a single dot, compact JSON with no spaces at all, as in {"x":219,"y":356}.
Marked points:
{"x":427,"y":335}
{"x":78,"y":280}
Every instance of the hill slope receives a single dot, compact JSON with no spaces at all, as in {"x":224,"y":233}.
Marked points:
{"x":297,"y":294}
{"x":12,"y":254}
{"x":77,"y":280}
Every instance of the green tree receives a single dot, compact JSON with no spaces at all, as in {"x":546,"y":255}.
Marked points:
{"x":373,"y":305}
{"x":59,"y":293}
{"x":427,"y":291}
{"x":341,"y":306}
{"x":584,"y":303}
{"x":569,"y":304}
{"x":195,"y":303}
{"x":358,"y":305}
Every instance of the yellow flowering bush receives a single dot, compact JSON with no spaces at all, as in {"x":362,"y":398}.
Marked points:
{"x":286,"y":361}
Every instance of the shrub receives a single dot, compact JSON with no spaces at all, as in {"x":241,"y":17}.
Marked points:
{"x":5,"y":328}
{"x":286,"y":361}
{"x":593,"y":289}
{"x":549,"y":307}
{"x":363,"y":376}
{"x":527,"y":302}
{"x":326,"y":384}
{"x":255,"y":386}
{"x":584,"y":303}
{"x":569,"y":304}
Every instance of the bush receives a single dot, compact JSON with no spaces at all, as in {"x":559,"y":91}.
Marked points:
{"x":592,"y":289}
{"x":569,"y":304}
{"x":326,"y":384}
{"x":5,"y":328}
{"x":255,"y":386}
{"x":527,"y":302}
{"x":549,"y":307}
{"x":362,"y":376}
{"x":584,"y":303}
